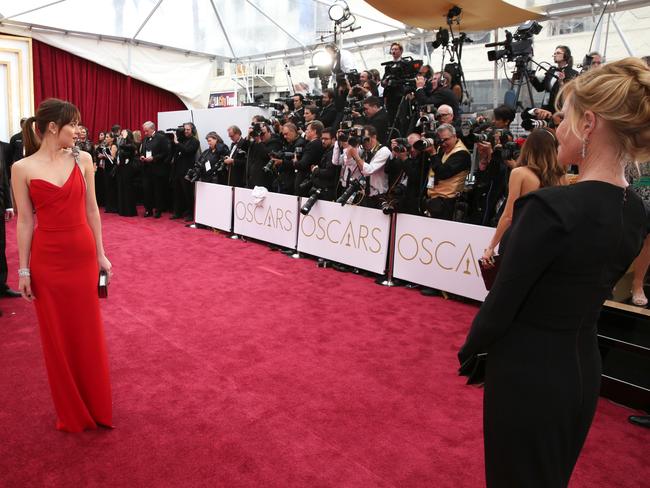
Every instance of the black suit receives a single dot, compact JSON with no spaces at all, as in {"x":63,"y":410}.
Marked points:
{"x":380,"y":122}
{"x":551,"y":84}
{"x":5,"y":203}
{"x":439,"y":96}
{"x":311,"y":156}
{"x":155,"y":173}
{"x":326,"y":176}
{"x":185,"y":152}
{"x":328,"y":116}
{"x":286,"y":179}
{"x":16,"y":143}
{"x":258,"y":159}
{"x":237,"y":170}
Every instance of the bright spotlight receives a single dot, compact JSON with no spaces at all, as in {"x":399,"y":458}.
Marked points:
{"x":339,"y":11}
{"x":321,"y":58}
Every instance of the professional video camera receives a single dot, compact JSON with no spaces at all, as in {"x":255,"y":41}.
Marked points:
{"x":401,"y":145}
{"x":428,"y":118}
{"x":256,"y":129}
{"x":402,"y":73}
{"x":518,"y":45}
{"x":355,"y":186}
{"x":179,"y":131}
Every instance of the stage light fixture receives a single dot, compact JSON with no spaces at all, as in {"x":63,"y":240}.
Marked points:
{"x":339,"y":11}
{"x":322,"y":59}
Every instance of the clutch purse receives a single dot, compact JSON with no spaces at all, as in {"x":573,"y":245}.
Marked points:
{"x":474,"y":369}
{"x":489,"y":269}
{"x":102,"y":285}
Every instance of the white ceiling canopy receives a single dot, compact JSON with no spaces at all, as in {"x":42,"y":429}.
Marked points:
{"x":229,"y":29}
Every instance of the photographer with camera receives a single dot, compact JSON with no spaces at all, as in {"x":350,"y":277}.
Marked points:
{"x":407,"y":170}
{"x":497,"y":154}
{"x":185,"y":149}
{"x":310,"y":157}
{"x":260,"y":165}
{"x":236,"y":159}
{"x":371,"y":166}
{"x":556,"y":76}
{"x":392,"y":94}
{"x":297,"y":116}
{"x":292,"y":146}
{"x":376,"y":116}
{"x":448,"y":171}
{"x":440,"y":93}
{"x":325,"y":176}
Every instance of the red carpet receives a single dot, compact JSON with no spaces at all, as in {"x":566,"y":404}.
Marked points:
{"x":236,"y":366}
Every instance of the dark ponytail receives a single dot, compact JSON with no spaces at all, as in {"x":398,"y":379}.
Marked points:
{"x":31,"y":142}
{"x":51,"y":110}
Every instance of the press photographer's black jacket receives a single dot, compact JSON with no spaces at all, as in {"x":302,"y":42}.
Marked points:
{"x":416,"y":170}
{"x":380,"y":122}
{"x":328,"y":116}
{"x":160,"y":147}
{"x":258,"y":158}
{"x":545,"y":84}
{"x":439,"y":96}
{"x":311,"y":155}
{"x":286,"y":172}
{"x":185,"y":152}
{"x":326,"y":176}
{"x":237,"y":171}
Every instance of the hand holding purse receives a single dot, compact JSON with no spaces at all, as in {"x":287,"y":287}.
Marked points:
{"x":489,"y":269}
{"x":102,"y":285}
{"x":474,"y":369}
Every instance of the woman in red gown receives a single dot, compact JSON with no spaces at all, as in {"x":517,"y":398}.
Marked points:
{"x":60,"y":259}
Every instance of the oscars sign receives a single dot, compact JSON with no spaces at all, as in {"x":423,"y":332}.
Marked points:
{"x":441,"y":254}
{"x":274,"y":219}
{"x":348,"y":234}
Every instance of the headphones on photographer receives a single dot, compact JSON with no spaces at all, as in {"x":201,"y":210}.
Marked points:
{"x":566,"y":55}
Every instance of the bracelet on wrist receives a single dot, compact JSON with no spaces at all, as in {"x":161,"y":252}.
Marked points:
{"x":24,"y":272}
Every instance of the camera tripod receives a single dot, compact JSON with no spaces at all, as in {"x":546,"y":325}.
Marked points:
{"x":520,"y":77}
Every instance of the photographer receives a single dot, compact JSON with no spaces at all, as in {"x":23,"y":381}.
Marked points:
{"x":556,"y":76}
{"x":293,"y":143}
{"x":210,"y":167}
{"x":298,"y":115}
{"x":371,"y":166}
{"x":376,"y":116}
{"x":328,"y":113}
{"x":260,"y":173}
{"x":325,"y":175}
{"x":440,"y":93}
{"x":392,"y":94}
{"x":236,"y":159}
{"x":154,"y":159}
{"x":185,"y":149}
{"x":496,"y":160}
{"x":310,"y":157}
{"x":407,"y":170}
{"x":449,"y":168}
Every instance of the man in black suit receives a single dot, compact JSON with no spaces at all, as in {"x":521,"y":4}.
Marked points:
{"x":6,"y":213}
{"x":328,"y":113}
{"x":16,"y":143}
{"x":376,"y":116}
{"x":556,"y":76}
{"x":309,"y":158}
{"x":156,"y":150}
{"x":440,"y":94}
{"x":237,"y":158}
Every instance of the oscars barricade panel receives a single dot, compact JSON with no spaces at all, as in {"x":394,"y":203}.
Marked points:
{"x":213,"y":205}
{"x":348,"y":234}
{"x":273,"y":218}
{"x":440,"y":254}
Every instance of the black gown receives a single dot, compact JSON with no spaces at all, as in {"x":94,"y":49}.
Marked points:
{"x":567,"y":248}
{"x":125,"y":175}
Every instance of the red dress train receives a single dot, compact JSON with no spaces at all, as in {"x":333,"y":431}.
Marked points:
{"x":64,"y":273}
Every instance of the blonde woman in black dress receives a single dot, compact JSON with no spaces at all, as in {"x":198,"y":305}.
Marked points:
{"x":567,"y":247}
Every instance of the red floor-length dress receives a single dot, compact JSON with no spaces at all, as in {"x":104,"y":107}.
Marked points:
{"x":64,"y":273}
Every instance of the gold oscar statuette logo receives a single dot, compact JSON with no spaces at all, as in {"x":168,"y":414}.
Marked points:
{"x":428,"y":252}
{"x":348,"y":234}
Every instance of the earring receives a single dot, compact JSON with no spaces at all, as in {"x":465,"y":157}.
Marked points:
{"x":583,"y":153}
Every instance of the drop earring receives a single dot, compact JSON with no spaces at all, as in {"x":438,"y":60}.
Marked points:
{"x":583,"y":153}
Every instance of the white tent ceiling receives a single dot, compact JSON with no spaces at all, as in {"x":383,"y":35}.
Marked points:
{"x":172,"y":43}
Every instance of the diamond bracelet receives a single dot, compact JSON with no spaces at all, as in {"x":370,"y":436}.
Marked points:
{"x":24,"y":272}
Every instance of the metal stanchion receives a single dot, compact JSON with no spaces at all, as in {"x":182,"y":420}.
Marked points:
{"x":296,"y":254}
{"x":391,"y":252}
{"x":232,"y":219}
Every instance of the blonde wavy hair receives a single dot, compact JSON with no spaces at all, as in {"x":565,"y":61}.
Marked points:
{"x":619,"y":93}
